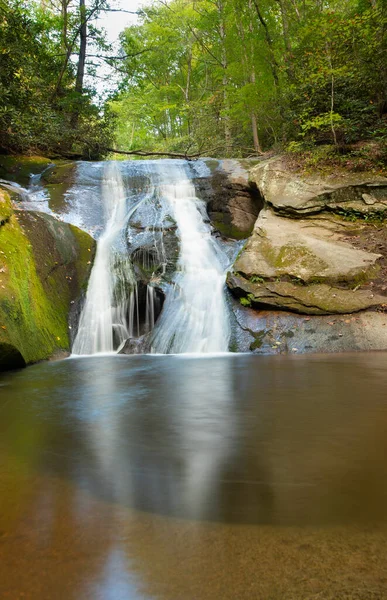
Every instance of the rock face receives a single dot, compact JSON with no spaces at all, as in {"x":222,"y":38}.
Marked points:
{"x":303,"y":266}
{"x":139,"y":345}
{"x":281,"y":332}
{"x":305,"y":257}
{"x":44,"y":266}
{"x":308,"y":250}
{"x":233,"y":200}
{"x":293,"y":194}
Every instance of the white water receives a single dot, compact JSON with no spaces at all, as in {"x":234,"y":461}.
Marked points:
{"x":194,"y":318}
{"x":104,"y":322}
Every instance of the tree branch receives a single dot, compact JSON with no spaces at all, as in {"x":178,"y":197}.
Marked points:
{"x":146,"y":153}
{"x":121,"y":10}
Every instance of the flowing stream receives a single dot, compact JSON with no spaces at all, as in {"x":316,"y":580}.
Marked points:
{"x":194,"y":318}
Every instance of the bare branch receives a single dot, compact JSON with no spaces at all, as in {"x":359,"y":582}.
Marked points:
{"x":146,"y":153}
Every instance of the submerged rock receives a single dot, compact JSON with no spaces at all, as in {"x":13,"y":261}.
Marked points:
{"x":44,"y":266}
{"x":140,"y":345}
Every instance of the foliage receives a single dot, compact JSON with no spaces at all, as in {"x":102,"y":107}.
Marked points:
{"x":233,"y":77}
{"x":224,"y":77}
{"x":39,"y":107}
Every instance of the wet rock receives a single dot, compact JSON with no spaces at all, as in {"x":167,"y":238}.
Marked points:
{"x":233,"y":200}
{"x":280,"y":332}
{"x":44,"y":268}
{"x":60,"y":172}
{"x":294,"y":194}
{"x":140,"y":345}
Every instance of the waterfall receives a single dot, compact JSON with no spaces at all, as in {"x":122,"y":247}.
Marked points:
{"x":130,"y":251}
{"x":194,"y":317}
{"x":104,"y":324}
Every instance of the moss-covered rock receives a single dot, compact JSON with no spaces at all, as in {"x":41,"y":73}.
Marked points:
{"x":61,"y":172}
{"x":44,"y":264}
{"x":314,"y":299}
{"x":310,"y":250}
{"x":20,"y":168}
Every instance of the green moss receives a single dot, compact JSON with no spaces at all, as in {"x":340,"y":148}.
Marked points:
{"x":85,"y":247}
{"x":28,"y":320}
{"x":230,"y":231}
{"x":258,"y":339}
{"x":256,"y":279}
{"x":290,"y":256}
{"x":355,"y":216}
{"x":43,"y":265}
{"x":19,"y":168}
{"x":5,"y":208}
{"x":245,"y":301}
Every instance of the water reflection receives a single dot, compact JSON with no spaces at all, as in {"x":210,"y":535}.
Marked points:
{"x":225,"y":438}
{"x":173,"y":477}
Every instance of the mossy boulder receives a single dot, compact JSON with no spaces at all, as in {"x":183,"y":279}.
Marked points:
{"x":303,"y":266}
{"x":44,"y":266}
{"x":314,"y":299}
{"x":20,"y":168}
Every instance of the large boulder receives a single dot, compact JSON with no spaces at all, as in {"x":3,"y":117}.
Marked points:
{"x":233,"y":200}
{"x":44,"y":268}
{"x":309,"y":250}
{"x":304,"y":258}
{"x":298,"y":194}
{"x":21,"y":168}
{"x":304,"y":266}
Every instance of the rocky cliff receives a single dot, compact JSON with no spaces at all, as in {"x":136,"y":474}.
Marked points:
{"x":318,"y":248}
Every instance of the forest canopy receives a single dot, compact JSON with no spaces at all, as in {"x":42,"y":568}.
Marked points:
{"x":220,"y":77}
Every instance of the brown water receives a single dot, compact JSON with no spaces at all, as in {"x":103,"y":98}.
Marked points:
{"x":177,"y":478}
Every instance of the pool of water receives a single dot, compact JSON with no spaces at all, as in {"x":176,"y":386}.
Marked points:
{"x":195,"y":478}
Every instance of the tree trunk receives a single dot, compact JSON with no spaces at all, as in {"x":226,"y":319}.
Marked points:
{"x":82,"y":48}
{"x":285,"y":32}
{"x":226,"y":103}
{"x":81,"y":60}
{"x":273,"y":62}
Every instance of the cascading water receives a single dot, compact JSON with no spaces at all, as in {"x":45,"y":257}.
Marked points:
{"x":194,"y":317}
{"x":131,"y":247}
{"x":104,"y":322}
